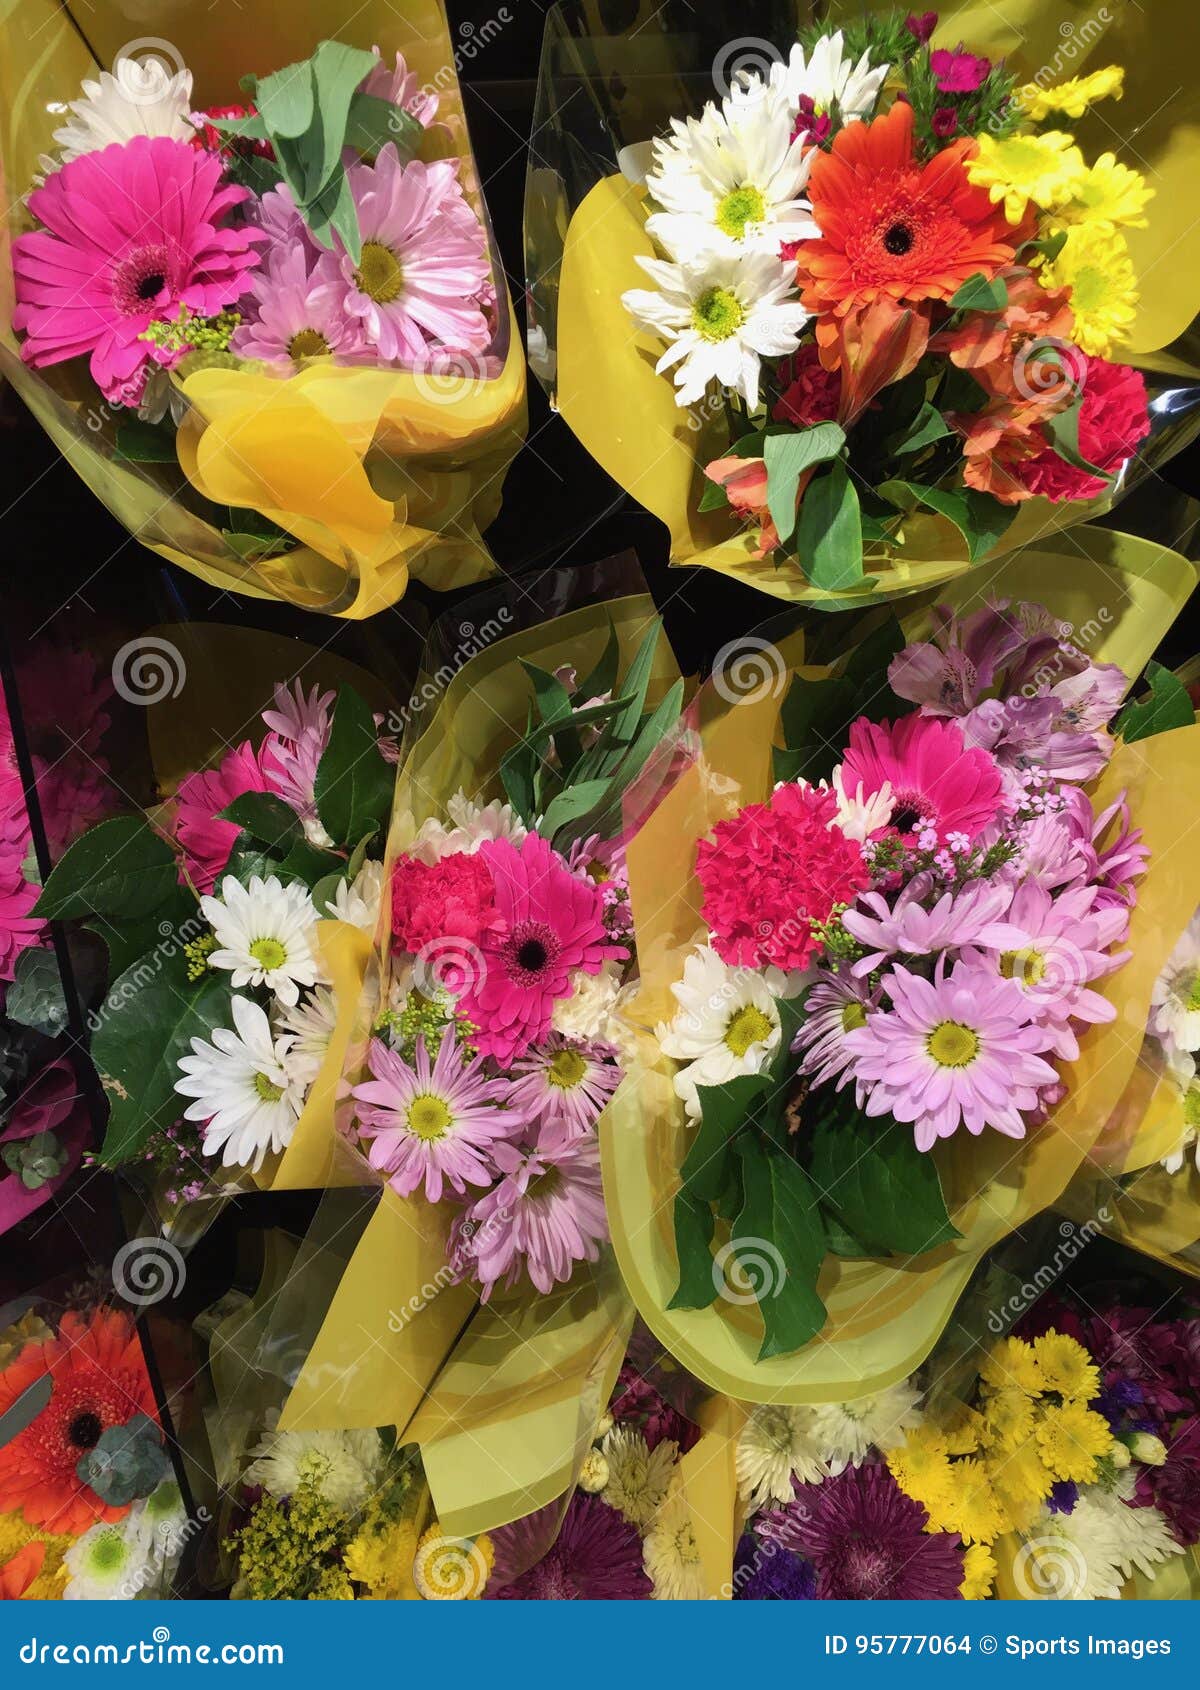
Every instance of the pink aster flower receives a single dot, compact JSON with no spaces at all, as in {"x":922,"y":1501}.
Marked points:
{"x":771,"y":871}
{"x":424,"y":267}
{"x":399,"y":87}
{"x":130,"y":235}
{"x":204,"y":839}
{"x":290,"y":315}
{"x":932,"y":773}
{"x":433,"y":1124}
{"x":974,"y":914}
{"x":551,"y":925}
{"x":300,"y":723}
{"x":564,"y":1084}
{"x":958,"y":1050}
{"x":546,"y":1214}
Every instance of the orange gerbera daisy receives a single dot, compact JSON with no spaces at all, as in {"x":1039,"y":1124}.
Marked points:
{"x":892,"y":227}
{"x":98,"y":1378}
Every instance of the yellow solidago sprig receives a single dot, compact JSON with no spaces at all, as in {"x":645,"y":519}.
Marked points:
{"x":190,"y":333}
{"x":1073,"y":97}
{"x":293,"y":1550}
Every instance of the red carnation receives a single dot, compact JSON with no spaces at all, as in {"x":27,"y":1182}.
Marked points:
{"x":1113,"y":419}
{"x":451,"y":899}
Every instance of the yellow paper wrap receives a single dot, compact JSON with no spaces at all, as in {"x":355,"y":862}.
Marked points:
{"x":378,"y":474}
{"x":503,"y":1398}
{"x":604,"y":378}
{"x":885,"y":1316}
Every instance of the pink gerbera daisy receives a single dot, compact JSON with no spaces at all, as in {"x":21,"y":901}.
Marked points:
{"x":18,"y":929}
{"x":424,"y":264}
{"x":546,"y":1214}
{"x":433,"y":1123}
{"x":551,"y":925}
{"x":933,"y":776}
{"x":958,"y":1050}
{"x":204,"y":839}
{"x":131,"y":234}
{"x":564,"y":1084}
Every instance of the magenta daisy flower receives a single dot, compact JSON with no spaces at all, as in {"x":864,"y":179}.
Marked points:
{"x":546,"y":1214}
{"x":596,"y":1557}
{"x":932,"y":774}
{"x":551,"y":925}
{"x":424,"y":264}
{"x":564,"y":1084}
{"x":867,"y":1541}
{"x":130,"y":235}
{"x":18,"y":929}
{"x":204,"y":839}
{"x":290,"y":316}
{"x":434,"y":1124}
{"x":958,"y":1050}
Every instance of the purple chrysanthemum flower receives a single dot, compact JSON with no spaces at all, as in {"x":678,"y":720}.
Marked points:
{"x":867,"y":1540}
{"x":596,"y":1557}
{"x":764,"y":1572}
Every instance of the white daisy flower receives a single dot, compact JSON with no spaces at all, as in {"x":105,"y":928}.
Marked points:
{"x":309,"y":1025}
{"x":722,"y":314}
{"x":1175,"y":1000}
{"x":1189,"y":1139}
{"x":731,"y":184}
{"x":671,"y":1555}
{"x":836,"y":85}
{"x":265,"y":934}
{"x":138,"y":97}
{"x":344,"y":1466}
{"x":243,"y":1093}
{"x":357,"y":901}
{"x":776,"y":1444}
{"x":727,"y":1024}
{"x":846,"y":1432}
{"x":638,"y":1477}
{"x":111,"y":1562}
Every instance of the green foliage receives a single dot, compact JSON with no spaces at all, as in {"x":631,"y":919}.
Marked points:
{"x":120,"y":868}
{"x":125,"y":1463}
{"x":1168,"y":706}
{"x":35,"y":997}
{"x":817,"y":714}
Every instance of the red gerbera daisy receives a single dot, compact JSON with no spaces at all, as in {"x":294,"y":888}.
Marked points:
{"x":98,"y":1379}
{"x":892,"y":227}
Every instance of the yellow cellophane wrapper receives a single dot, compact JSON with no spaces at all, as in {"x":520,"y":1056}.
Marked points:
{"x":627,"y":417}
{"x":503,"y":1398}
{"x":230,"y":676}
{"x":378,"y":474}
{"x":885,"y":1316}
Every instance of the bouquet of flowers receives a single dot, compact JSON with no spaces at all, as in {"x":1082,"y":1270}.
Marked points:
{"x":891,"y":289}
{"x":908,"y":949}
{"x":290,"y":311}
{"x":89,"y":1506}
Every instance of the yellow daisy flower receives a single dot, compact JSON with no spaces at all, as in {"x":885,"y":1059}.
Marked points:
{"x":1095,"y":264}
{"x":979,"y":1573}
{"x":963,"y":1431}
{"x":1025,"y":167}
{"x":974,"y":1511}
{"x":1106,"y":193}
{"x":922,"y":1470}
{"x":1067,"y":1367}
{"x":452,"y":1569}
{"x":1008,"y":1417}
{"x":1012,"y":1365}
{"x":1021,"y":1483}
{"x":1071,"y":1440}
{"x":1073,"y":97}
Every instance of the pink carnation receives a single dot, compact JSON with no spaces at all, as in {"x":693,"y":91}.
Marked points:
{"x":454,"y":898}
{"x":772,"y":871}
{"x":1113,"y":420}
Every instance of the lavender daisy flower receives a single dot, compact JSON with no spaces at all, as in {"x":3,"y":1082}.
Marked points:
{"x":292,"y":316}
{"x":546,"y":1214}
{"x":565,"y":1083}
{"x":596,"y":1557}
{"x":834,"y":1007}
{"x":973,"y":915}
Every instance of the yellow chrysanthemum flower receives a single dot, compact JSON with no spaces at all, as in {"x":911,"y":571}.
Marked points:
{"x":1106,"y":193}
{"x":921,"y":1468}
{"x":974,"y":1509}
{"x":979,"y":1573}
{"x":1008,"y":1417}
{"x":1067,"y":1367}
{"x":1095,"y":264}
{"x":963,"y":1430}
{"x":1025,"y":167}
{"x":1021,"y":1483}
{"x":1011,"y":1365}
{"x":381,"y":1558}
{"x":452,"y":1569}
{"x":1071,"y":98}
{"x":1071,"y":1440}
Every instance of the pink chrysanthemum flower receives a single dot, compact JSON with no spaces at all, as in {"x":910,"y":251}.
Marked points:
{"x":933,"y":776}
{"x":1114,"y":846}
{"x":399,"y":87}
{"x":564,"y":1084}
{"x":433,"y":1124}
{"x":771,"y":871}
{"x":424,"y":265}
{"x":205,"y":840}
{"x":300,"y":723}
{"x":551,"y":926}
{"x":290,"y":316}
{"x":955,"y":1051}
{"x":973,"y":914}
{"x":130,"y":235}
{"x":546,"y":1214}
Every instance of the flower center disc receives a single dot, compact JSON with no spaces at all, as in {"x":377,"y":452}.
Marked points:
{"x":84,"y":1431}
{"x":743,"y":206}
{"x":268,"y":953}
{"x":379,"y":274}
{"x":717,"y":314}
{"x":1027,"y":966}
{"x":853,"y":1016}
{"x":898,"y":239}
{"x":952,"y":1045}
{"x":748,"y":1026}
{"x":308,"y":343}
{"x":267,"y":1090}
{"x":567,"y":1068}
{"x":428,"y":1118}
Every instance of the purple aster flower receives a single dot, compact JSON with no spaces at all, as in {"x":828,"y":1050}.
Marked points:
{"x":835,"y":1005}
{"x":867,"y":1540}
{"x":290,"y":316}
{"x":974,"y":915}
{"x":763,"y":1572}
{"x":596,"y":1557}
{"x":564,"y":1084}
{"x":959,"y":72}
{"x":1174,"y":1488}
{"x":546,"y":1213}
{"x":1118,"y":855}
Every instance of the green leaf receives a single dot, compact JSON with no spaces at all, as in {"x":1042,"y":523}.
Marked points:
{"x":816,"y":714}
{"x":324,"y":892}
{"x":655,"y":728}
{"x":787,"y":456}
{"x":252,"y":128}
{"x":265,"y":818}
{"x":554,"y":704}
{"x":119,"y":868}
{"x":142,"y":1029}
{"x":927,"y":426}
{"x":333,"y":212}
{"x":869,"y":1171}
{"x":337,"y":71}
{"x":354,"y":781}
{"x":713,"y":497}
{"x":308,"y":863}
{"x":35,"y":997}
{"x":286,"y":99}
{"x":144,"y":443}
{"x":603,"y":678}
{"x":829,"y":533}
{"x":636,"y":684}
{"x":725,"y":1110}
{"x":1063,"y":432}
{"x":175,"y":920}
{"x":1168,"y":706}
{"x":979,"y":518}
{"x":977,"y":293}
{"x":839,"y":1242}
{"x":572,"y":803}
{"x":373,"y":123}
{"x":778,"y":1241}
{"x":693,"y":1238}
